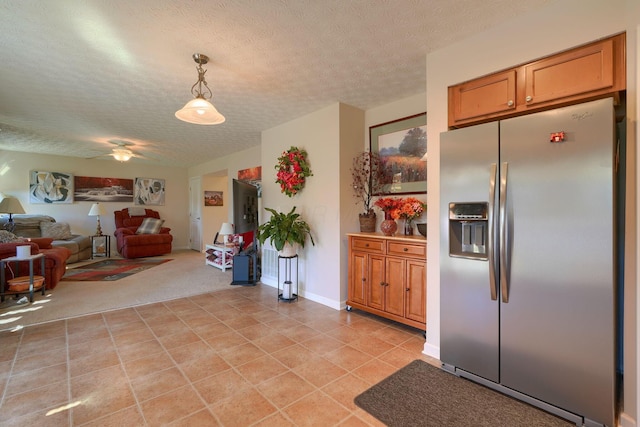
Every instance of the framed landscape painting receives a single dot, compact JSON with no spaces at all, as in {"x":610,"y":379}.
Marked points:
{"x":402,"y":145}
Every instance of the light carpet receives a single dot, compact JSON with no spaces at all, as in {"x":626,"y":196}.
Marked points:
{"x":186,"y":275}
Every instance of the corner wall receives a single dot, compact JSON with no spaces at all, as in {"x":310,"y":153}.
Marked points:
{"x":328,"y":136}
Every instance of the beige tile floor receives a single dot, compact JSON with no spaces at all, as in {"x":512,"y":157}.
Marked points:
{"x":236,"y":357}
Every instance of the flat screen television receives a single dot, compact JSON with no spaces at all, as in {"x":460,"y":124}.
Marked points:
{"x":245,"y":206}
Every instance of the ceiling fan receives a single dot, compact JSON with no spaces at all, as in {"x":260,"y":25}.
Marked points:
{"x":121,"y":151}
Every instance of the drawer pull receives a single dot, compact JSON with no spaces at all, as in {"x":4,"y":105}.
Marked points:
{"x":405,"y":249}
{"x":366,"y":245}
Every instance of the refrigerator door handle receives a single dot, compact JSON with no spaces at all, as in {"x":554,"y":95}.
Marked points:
{"x":493,"y":283}
{"x":504,"y":284}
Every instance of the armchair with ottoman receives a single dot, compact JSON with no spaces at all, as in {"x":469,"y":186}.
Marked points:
{"x":44,"y":226}
{"x":55,"y":263}
{"x":139,"y":233}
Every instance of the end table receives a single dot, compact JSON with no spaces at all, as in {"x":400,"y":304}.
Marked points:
{"x":101,"y":246}
{"x":15,"y":259}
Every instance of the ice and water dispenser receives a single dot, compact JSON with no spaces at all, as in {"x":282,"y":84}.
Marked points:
{"x":468,"y":228}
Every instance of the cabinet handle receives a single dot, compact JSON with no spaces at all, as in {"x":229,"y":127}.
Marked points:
{"x":529,"y":98}
{"x":405,"y":249}
{"x":366,"y":245}
{"x":408,"y":289}
{"x":510,"y":103}
{"x":381,"y":283}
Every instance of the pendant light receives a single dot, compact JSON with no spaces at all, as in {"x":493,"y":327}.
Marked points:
{"x":199,"y":110}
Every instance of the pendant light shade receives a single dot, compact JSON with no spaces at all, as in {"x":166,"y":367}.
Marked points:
{"x":199,"y":110}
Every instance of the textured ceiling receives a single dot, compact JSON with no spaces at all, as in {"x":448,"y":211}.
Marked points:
{"x":76,"y":74}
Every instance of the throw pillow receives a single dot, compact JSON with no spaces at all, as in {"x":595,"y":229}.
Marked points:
{"x":150,"y":226}
{"x":55,"y":230}
{"x":7,"y":237}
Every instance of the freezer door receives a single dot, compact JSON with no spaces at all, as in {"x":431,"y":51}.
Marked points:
{"x":557,"y":328}
{"x":468,"y":314}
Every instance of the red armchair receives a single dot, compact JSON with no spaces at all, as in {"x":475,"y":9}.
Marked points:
{"x":55,"y":260}
{"x":132,"y":245}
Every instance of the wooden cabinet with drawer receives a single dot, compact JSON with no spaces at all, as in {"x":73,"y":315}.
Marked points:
{"x":586,"y":72}
{"x":387,"y":277}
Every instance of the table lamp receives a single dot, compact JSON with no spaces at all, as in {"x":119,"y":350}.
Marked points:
{"x":10,"y":205}
{"x":97,"y":210}
{"x":225,"y":230}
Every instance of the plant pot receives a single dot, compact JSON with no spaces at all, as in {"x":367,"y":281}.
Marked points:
{"x":288,"y":250}
{"x":367,"y":222}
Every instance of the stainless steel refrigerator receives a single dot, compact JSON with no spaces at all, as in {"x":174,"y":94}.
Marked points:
{"x":527,"y":258}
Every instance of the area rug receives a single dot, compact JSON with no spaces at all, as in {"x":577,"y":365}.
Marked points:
{"x":111,"y":269}
{"x":421,"y":394}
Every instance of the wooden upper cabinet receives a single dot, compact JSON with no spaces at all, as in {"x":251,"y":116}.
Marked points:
{"x":580,"y":74}
{"x":484,"y":97}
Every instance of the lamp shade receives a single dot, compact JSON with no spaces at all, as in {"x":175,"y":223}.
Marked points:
{"x":96,"y":210}
{"x":226,"y":229}
{"x":11,"y":205}
{"x":199,"y":111}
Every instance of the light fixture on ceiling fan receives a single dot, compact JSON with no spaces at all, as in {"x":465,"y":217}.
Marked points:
{"x":122,"y":154}
{"x":199,"y":110}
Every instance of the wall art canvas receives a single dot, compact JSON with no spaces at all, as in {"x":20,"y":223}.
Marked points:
{"x":252,"y":176}
{"x":50,"y":187}
{"x":213,"y":198}
{"x":402,"y":146}
{"x":148,"y":191}
{"x":97,"y":189}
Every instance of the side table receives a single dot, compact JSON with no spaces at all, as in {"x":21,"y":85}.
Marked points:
{"x":101,"y":246}
{"x":3,"y":283}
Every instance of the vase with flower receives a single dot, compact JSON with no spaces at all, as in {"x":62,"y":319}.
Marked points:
{"x":390,"y":206}
{"x":410,"y":209}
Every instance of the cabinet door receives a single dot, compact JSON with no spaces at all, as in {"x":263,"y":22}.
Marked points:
{"x":482,"y":98}
{"x":376,"y":285}
{"x":358,"y":278}
{"x":416,"y":291}
{"x":394,"y":289}
{"x":578,"y":72}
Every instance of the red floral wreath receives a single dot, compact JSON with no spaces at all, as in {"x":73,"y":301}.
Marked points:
{"x":292,"y":170}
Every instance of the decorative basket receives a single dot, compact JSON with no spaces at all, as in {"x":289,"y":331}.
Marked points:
{"x":21,"y":283}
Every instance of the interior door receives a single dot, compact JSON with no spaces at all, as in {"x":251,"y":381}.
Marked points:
{"x":195,"y":214}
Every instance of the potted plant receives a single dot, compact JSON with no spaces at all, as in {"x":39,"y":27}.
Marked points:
{"x":367,"y":173}
{"x":285,"y":231}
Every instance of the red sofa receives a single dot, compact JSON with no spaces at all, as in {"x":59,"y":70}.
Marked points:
{"x":132,"y":245}
{"x":55,"y":261}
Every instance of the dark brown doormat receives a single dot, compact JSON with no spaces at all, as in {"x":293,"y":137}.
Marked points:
{"x":423,"y":395}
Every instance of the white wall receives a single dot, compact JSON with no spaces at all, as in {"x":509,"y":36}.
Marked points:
{"x":218,"y":175}
{"x":214,"y":216}
{"x":322,"y":274}
{"x":14,"y":181}
{"x":557,"y":27}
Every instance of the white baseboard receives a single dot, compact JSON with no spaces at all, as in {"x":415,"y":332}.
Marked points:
{"x":431,"y":350}
{"x":626,"y":421}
